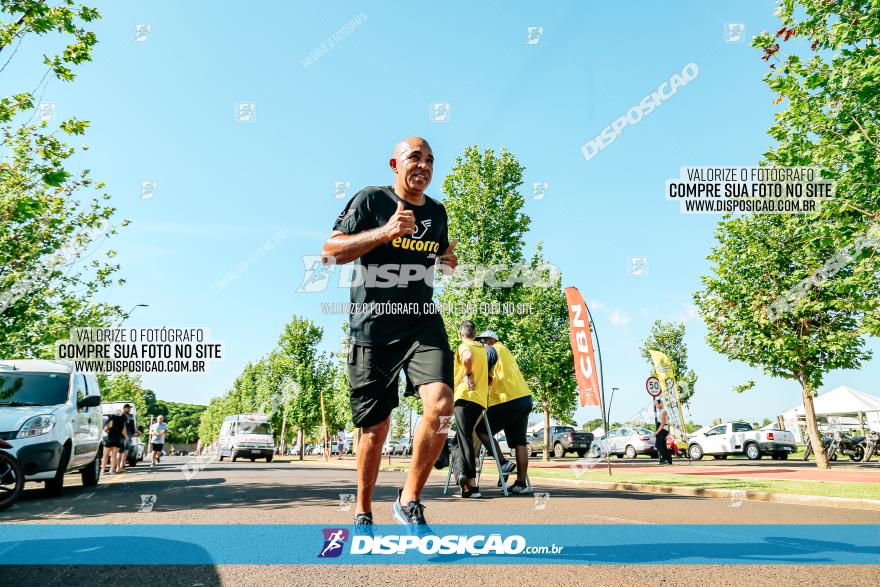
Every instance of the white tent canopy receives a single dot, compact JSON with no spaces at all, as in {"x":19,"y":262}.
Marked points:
{"x":841,"y":400}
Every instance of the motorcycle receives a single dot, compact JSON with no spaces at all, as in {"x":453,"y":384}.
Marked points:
{"x":851,"y":446}
{"x":11,"y":477}
{"x":808,"y":450}
{"x":872,"y":445}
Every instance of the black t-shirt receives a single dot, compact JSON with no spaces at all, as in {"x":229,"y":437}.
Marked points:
{"x":117,"y":423}
{"x":491,"y":357}
{"x":390,"y":294}
{"x":129,"y":424}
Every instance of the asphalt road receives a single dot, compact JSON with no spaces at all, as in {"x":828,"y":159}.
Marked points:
{"x":291,"y":493}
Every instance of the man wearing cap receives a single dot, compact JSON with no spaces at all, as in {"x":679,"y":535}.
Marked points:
{"x":510,"y":403}
{"x":471,"y":394}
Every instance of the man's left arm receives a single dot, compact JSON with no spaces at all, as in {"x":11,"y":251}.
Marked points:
{"x":448,"y":258}
{"x":467,"y":359}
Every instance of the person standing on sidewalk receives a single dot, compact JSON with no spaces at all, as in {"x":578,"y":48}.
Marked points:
{"x":660,"y":436}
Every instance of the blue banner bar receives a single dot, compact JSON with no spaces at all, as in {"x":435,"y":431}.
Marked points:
{"x":81,"y":544}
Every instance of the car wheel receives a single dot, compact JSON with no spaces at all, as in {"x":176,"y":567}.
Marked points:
{"x":253,"y":459}
{"x":558,"y":451}
{"x":234,"y":458}
{"x":132,"y":461}
{"x":92,"y":473}
{"x":696,"y":452}
{"x":269,"y":459}
{"x":753,"y":452}
{"x":582,"y":453}
{"x":221,"y":458}
{"x":55,"y":485}
{"x":630,"y":452}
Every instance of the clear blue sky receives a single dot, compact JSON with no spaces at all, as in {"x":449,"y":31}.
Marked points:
{"x":163,"y":110}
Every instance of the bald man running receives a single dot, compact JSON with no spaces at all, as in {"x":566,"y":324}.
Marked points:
{"x":396,"y":234}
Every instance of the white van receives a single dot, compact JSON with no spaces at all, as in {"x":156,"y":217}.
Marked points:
{"x":136,"y":453}
{"x":246,"y":436}
{"x":50,"y":413}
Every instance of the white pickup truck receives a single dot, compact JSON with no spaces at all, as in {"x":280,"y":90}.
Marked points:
{"x":740,"y":438}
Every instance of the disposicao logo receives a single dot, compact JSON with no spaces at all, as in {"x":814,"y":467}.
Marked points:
{"x":473,"y":545}
{"x":334,"y":539}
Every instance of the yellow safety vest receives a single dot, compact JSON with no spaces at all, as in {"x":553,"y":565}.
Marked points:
{"x":480,"y":369}
{"x":508,"y":383}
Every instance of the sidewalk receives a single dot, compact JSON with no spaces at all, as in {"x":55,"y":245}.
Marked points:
{"x":835,"y":474}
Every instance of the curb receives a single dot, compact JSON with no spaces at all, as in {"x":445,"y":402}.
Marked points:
{"x":786,"y":498}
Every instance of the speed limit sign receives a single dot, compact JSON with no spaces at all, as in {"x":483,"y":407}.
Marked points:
{"x":652,"y":386}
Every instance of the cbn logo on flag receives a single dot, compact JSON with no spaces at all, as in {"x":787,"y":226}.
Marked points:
{"x":334,"y":539}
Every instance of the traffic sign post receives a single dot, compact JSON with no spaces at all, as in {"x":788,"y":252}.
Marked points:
{"x":652,"y":386}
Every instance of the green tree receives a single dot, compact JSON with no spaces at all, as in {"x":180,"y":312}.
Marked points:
{"x":759,"y":260}
{"x":668,"y":338}
{"x":773,"y":300}
{"x":591,"y":425}
{"x":310,"y":370}
{"x":825,"y":70}
{"x":543,"y":349}
{"x":337,"y":401}
{"x":490,"y":243}
{"x":398,"y":422}
{"x":50,"y":218}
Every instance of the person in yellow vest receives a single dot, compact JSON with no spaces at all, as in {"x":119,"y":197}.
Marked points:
{"x":471,"y":390}
{"x":509,"y":406}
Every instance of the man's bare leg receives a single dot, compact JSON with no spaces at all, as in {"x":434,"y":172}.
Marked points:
{"x":522,"y":463}
{"x":369,"y":457}
{"x":428,"y":442}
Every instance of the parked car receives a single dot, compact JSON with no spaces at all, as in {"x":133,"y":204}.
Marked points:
{"x":404,"y":447}
{"x":388,"y":447}
{"x":740,"y":438}
{"x":335,"y":448}
{"x":50,"y":415}
{"x":534,"y":445}
{"x":317,"y":449}
{"x":348,"y":447}
{"x":624,"y":442}
{"x":565,"y":439}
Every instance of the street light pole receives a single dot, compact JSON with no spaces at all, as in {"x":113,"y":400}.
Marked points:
{"x":613,"y":389}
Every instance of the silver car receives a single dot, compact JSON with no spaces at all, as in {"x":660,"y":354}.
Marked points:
{"x":531,"y":442}
{"x":624,"y":442}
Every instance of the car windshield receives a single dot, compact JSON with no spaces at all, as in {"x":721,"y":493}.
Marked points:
{"x":254,"y":428}
{"x":644,"y":431}
{"x":33,"y":389}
